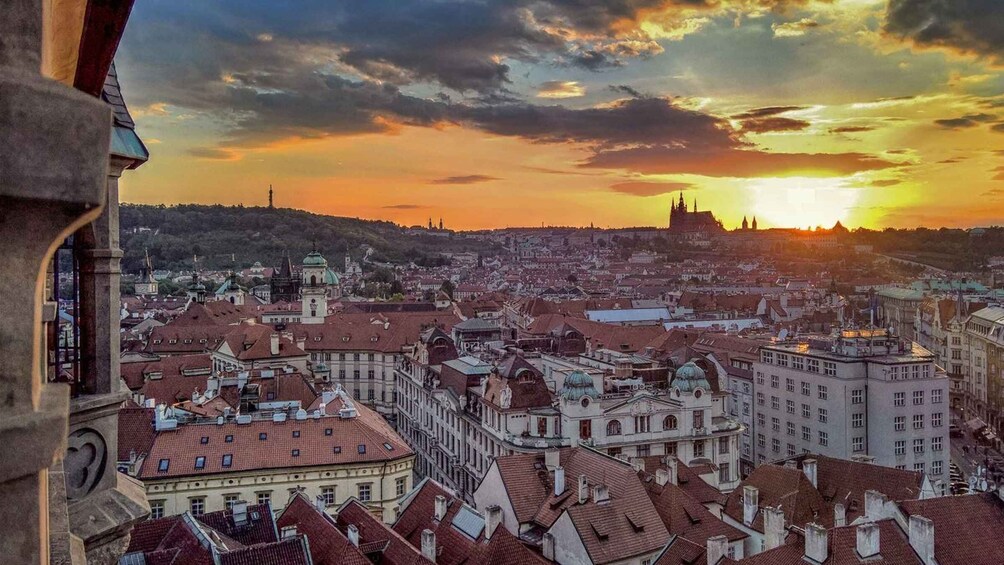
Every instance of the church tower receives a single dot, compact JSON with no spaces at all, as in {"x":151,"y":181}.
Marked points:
{"x":746,"y":224}
{"x":146,"y":284}
{"x":314,"y":289}
{"x":754,"y":223}
{"x":270,"y":197}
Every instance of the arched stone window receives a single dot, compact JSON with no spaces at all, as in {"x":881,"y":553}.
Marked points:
{"x":614,"y":428}
{"x":313,"y":280}
{"x":670,"y":423}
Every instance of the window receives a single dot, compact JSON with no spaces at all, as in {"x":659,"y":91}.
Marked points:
{"x":789,"y":385}
{"x":723,"y":445}
{"x":789,"y":406}
{"x":541,"y":428}
{"x":699,"y":448}
{"x":759,"y":399}
{"x":806,"y":389}
{"x":812,"y":365}
{"x":899,"y":422}
{"x":327,"y":431}
{"x":295,"y":453}
{"x":936,"y":443}
{"x":806,"y":433}
{"x":204,"y":440}
{"x":698,"y":418}
{"x":775,"y":381}
{"x":156,"y":509}
{"x":918,"y":397}
{"x":229,"y":439}
{"x":775,"y":403}
{"x":361,"y":448}
{"x":296,"y":433}
{"x":670,"y":448}
{"x":723,"y":473}
{"x":760,"y":441}
{"x":163,"y":465}
{"x":228,"y":460}
{"x":761,"y":420}
{"x":365,"y":492}
{"x":337,"y":449}
{"x":400,"y":486}
{"x":642,"y":424}
{"x":791,"y":429}
{"x":824,"y":438}
{"x":775,"y":424}
{"x":829,"y":368}
{"x":806,"y":411}
{"x":936,"y":396}
{"x":265,"y":497}
{"x":585,"y":429}
{"x":857,"y":396}
{"x":759,"y":377}
{"x":229,"y":500}
{"x":919,"y":467}
{"x":262,"y":436}
{"x":918,"y":421}
{"x":614,"y":428}
{"x":798,"y":363}
{"x":936,"y":420}
{"x":899,"y":399}
{"x":858,"y":444}
{"x":371,"y":374}
{"x":768,"y":356}
{"x":197,"y":506}
{"x":936,"y":467}
{"x":901,"y":447}
{"x":644,"y":450}
{"x":823,"y":392}
{"x":782,"y":359}
{"x":328,"y":496}
{"x":918,"y":445}
{"x":200,"y":462}
{"x":857,"y":420}
{"x":670,"y":423}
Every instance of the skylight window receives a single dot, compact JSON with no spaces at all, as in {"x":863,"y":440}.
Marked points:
{"x":228,"y":460}
{"x":262,"y":436}
{"x":200,"y":462}
{"x":296,"y":453}
{"x":163,"y":465}
{"x":204,"y":440}
{"x":362,"y":448}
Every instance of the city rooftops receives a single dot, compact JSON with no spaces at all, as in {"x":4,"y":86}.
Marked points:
{"x":877,"y":345}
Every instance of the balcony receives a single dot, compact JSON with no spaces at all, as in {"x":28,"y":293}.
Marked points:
{"x":533,"y":442}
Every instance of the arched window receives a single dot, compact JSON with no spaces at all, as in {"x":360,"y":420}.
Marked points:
{"x":614,"y":428}
{"x":313,"y":280}
{"x":669,"y":423}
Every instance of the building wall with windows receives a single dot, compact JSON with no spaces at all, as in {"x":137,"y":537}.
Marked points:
{"x":861,"y":394}
{"x":984,"y":346}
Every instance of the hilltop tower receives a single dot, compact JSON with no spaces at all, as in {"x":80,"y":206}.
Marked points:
{"x":146,"y":284}
{"x":270,"y":197}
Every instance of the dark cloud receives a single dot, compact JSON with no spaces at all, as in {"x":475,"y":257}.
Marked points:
{"x":404,"y":207}
{"x":998,"y":127}
{"x":966,"y":26}
{"x":967,"y":121}
{"x":852,"y":129}
{"x":765,"y":120}
{"x":464,"y":179}
{"x":885,"y":182}
{"x":766,"y":112}
{"x":644,"y":188}
{"x":213,"y":153}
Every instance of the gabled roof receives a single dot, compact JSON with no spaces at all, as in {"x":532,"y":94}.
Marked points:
{"x":894,"y":548}
{"x":966,"y":528}
{"x":786,"y":488}
{"x":386,"y":545}
{"x":328,"y":545}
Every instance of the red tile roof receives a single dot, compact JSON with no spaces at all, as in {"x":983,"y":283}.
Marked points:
{"x":328,"y":546}
{"x":965,"y":527}
{"x":377,"y":537}
{"x":894,"y":549}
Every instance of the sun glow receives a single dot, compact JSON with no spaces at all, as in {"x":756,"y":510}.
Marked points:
{"x":801,"y":202}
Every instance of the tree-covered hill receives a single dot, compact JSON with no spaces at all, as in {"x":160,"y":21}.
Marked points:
{"x":235,"y":236}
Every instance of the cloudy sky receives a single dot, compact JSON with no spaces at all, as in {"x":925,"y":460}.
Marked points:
{"x":493,"y":113}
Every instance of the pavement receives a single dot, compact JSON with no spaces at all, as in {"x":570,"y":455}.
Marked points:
{"x":970,"y":455}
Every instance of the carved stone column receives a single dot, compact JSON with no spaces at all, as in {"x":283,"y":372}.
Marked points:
{"x":53,"y":165}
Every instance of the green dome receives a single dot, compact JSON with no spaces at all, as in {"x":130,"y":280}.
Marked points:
{"x":331,"y":277}
{"x":314,"y":259}
{"x":578,"y":384}
{"x":690,"y":377}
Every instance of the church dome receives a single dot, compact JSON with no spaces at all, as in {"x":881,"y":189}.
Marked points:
{"x":577,"y":385}
{"x":314,"y":259}
{"x":690,"y":377}
{"x":331,"y":277}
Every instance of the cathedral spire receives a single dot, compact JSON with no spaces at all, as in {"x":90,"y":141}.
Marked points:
{"x":270,"y":196}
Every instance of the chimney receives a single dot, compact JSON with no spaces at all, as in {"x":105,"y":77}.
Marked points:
{"x":547,"y":546}
{"x":583,"y":489}
{"x":718,"y":547}
{"x":839,"y":515}
{"x":552,"y":458}
{"x":673,"y":465}
{"x":661,"y":476}
{"x":922,"y":538}
{"x":320,"y":504}
{"x":601,"y":493}
{"x":751,"y":501}
{"x":868,"y":540}
{"x":440,"y":507}
{"x":302,"y":343}
{"x":493,"y":517}
{"x":817,"y":547}
{"x":274,"y":344}
{"x":874,"y":505}
{"x":429,"y":544}
{"x":559,"y":480}
{"x":809,"y":468}
{"x":354,"y":535}
{"x":773,"y":527}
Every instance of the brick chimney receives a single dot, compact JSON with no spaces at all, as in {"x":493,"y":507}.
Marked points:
{"x":868,"y":540}
{"x":922,"y":538}
{"x":751,"y":501}
{"x":583,"y":489}
{"x":559,"y":480}
{"x":429,"y":544}
{"x":839,"y":515}
{"x":547,"y":546}
{"x":809,"y":468}
{"x":493,"y":517}
{"x":354,"y":535}
{"x":718,"y":547}
{"x":440,"y":510}
{"x":874,"y":505}
{"x":773,"y":527}
{"x":817,"y":547}
{"x":274,"y":344}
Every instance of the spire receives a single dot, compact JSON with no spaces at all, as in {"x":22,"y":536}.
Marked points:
{"x":682,"y":206}
{"x":695,"y":204}
{"x":270,"y":196}
{"x":746,"y":224}
{"x":754,"y":223}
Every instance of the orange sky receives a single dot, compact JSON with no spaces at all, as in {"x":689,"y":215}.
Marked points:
{"x":800,"y":117}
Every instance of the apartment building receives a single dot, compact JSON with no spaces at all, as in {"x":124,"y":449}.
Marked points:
{"x":857,"y":394}
{"x":984,"y":346}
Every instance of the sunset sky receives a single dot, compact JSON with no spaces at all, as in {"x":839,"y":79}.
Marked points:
{"x":500,"y":113}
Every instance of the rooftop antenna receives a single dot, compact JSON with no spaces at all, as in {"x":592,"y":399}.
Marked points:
{"x":270,"y":196}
